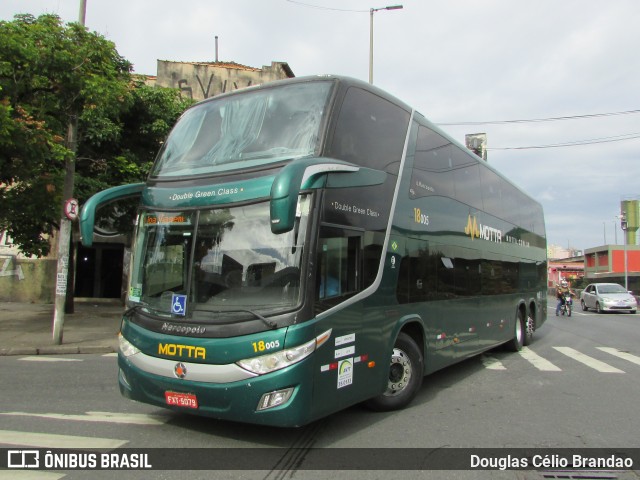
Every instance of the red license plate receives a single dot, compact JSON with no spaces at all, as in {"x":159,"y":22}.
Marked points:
{"x":187,"y":400}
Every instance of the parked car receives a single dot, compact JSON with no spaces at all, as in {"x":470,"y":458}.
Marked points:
{"x":607,"y":297}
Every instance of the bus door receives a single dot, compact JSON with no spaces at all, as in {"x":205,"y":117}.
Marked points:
{"x":342,"y":373}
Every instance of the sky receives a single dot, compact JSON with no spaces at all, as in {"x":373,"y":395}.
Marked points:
{"x":455,"y":61}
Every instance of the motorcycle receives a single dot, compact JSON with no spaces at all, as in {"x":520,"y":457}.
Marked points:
{"x":567,"y":303}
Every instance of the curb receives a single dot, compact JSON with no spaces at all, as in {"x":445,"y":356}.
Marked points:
{"x":58,"y":350}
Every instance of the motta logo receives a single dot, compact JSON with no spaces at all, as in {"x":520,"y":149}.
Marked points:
{"x":472,"y":228}
{"x":478,"y":230}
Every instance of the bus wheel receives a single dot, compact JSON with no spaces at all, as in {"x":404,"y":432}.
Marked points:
{"x":516,"y":343}
{"x":405,"y":376}
{"x":528,"y":331}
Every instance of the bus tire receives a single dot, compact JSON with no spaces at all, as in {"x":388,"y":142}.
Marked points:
{"x":517,"y":342}
{"x":405,"y":376}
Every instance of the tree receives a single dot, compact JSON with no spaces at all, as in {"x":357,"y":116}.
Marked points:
{"x":105,"y":160}
{"x":51,"y":73}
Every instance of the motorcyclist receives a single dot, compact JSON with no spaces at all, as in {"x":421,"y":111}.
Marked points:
{"x":561,"y":292}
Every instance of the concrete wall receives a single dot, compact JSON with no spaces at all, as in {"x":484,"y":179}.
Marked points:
{"x":24,"y":279}
{"x":27,"y":280}
{"x":204,"y":80}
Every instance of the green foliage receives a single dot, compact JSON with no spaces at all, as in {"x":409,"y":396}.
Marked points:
{"x":49,"y":74}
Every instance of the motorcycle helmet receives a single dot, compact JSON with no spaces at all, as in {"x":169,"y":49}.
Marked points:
{"x":564,"y":283}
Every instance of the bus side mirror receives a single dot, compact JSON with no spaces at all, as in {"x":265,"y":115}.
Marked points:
{"x":290,"y":180}
{"x":88,"y":212}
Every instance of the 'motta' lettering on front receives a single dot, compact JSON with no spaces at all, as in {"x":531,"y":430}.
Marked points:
{"x":175,"y":350}
{"x":482,"y":231}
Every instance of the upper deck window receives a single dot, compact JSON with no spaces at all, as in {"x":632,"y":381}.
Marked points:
{"x":245,"y":130}
{"x":370,"y":131}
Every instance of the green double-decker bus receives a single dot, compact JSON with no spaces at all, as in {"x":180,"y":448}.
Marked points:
{"x":309,"y":244}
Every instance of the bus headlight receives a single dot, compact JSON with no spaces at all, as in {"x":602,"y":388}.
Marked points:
{"x":278,"y":360}
{"x":126,"y":347}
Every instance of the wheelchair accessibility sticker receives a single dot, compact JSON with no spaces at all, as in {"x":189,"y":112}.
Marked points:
{"x":178,"y":304}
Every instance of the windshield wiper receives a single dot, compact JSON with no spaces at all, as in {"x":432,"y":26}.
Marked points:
{"x":264,"y":320}
{"x":130,"y":310}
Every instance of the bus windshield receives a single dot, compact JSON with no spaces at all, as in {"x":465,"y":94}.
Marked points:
{"x":241,"y":131}
{"x":224,"y":260}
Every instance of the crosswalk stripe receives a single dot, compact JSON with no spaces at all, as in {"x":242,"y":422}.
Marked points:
{"x":492,"y":363}
{"x":588,"y":361}
{"x":26,"y":475}
{"x":620,"y":354}
{"x":50,"y":440}
{"x":537,"y":361}
{"x":102,"y":417}
{"x":39,"y":358}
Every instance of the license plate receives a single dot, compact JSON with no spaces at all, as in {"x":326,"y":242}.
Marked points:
{"x":187,"y":400}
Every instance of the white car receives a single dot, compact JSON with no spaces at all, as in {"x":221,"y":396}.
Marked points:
{"x":607,"y":297}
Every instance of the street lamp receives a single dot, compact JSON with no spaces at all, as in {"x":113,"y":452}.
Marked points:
{"x":391,"y":7}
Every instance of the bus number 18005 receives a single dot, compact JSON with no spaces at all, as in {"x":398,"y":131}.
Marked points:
{"x":419,"y":217}
{"x":261,"y":346}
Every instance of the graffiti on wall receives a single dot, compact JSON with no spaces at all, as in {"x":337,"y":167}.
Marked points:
{"x":187,"y":90}
{"x":6,"y":270}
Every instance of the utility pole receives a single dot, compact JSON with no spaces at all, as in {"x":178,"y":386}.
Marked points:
{"x":69,"y":209}
{"x":83,"y":12}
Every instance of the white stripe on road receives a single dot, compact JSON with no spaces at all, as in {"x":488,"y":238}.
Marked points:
{"x":588,"y":361}
{"x":492,"y":363}
{"x":26,"y":475}
{"x":102,"y":417}
{"x":537,"y":361}
{"x":620,"y":354}
{"x":49,"y":359}
{"x":48,"y":440}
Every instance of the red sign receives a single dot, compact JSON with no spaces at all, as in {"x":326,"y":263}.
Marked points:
{"x":71,"y":209}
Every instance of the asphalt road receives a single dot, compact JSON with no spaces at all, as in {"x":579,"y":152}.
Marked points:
{"x":576,"y":386}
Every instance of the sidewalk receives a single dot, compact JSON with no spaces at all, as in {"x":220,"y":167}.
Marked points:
{"x":27,"y":329}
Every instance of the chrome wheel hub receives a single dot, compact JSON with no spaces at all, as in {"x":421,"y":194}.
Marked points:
{"x":399,"y":373}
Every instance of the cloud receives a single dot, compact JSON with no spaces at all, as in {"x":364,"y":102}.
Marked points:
{"x":453,"y":61}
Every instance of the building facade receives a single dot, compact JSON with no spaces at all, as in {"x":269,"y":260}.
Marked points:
{"x":201,"y":80}
{"x":612,"y":263}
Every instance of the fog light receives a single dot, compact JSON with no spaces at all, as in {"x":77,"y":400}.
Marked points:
{"x":273,"y":399}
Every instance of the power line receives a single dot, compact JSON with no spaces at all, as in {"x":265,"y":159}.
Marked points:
{"x":616,"y":138}
{"x":537,"y":120}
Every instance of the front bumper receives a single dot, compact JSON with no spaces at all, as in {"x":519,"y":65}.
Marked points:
{"x":234,"y":400}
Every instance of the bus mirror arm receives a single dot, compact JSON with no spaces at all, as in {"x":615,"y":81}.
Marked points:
{"x":89,"y":209}
{"x":293,"y":178}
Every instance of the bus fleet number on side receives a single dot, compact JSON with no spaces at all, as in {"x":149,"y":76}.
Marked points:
{"x":261,"y":346}
{"x":419,"y":217}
